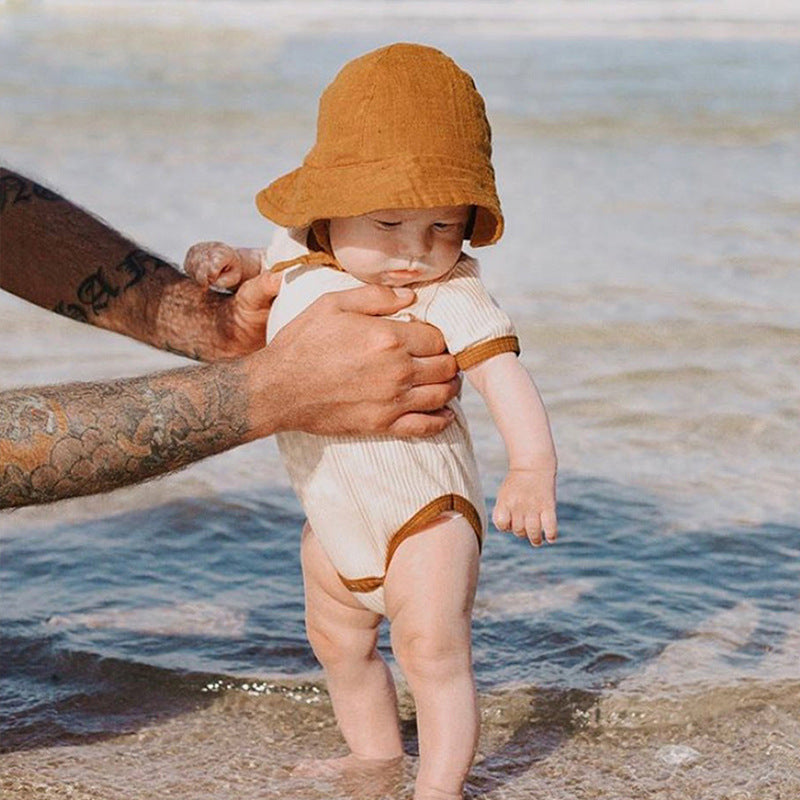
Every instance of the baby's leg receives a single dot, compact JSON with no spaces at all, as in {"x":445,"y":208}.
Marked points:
{"x":343,"y":635}
{"x":430,"y":588}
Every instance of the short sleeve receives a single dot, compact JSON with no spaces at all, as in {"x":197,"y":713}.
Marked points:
{"x":473,"y":325}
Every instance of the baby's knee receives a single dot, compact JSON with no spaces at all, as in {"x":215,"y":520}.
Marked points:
{"x":432,"y":652}
{"x":335,"y":644}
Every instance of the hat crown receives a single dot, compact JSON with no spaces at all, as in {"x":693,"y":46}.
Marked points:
{"x":404,"y":99}
{"x":400,"y":127}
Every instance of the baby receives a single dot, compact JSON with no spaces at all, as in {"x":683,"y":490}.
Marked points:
{"x":400,"y":175}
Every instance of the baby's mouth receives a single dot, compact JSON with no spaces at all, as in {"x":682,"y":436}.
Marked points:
{"x":404,"y":274}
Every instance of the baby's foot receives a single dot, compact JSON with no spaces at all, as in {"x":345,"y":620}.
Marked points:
{"x":349,"y":765}
{"x":365,"y":778}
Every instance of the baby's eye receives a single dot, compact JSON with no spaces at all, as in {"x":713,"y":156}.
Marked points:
{"x":385,"y":224}
{"x":445,"y":226}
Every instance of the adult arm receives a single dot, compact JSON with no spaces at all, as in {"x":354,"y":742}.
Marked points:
{"x":76,"y":439}
{"x":338,"y":368}
{"x":62,"y":258}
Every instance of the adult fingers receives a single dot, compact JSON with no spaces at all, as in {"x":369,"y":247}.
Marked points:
{"x":259,"y":292}
{"x":372,"y":299}
{"x":422,"y":340}
{"x":428,"y":397}
{"x":436,"y":369}
{"x":417,"y":338}
{"x":421,"y":425}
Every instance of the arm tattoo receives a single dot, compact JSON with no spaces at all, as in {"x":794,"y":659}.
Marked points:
{"x":80,"y":439}
{"x":16,"y":189}
{"x":63,"y":258}
{"x":103,"y":285}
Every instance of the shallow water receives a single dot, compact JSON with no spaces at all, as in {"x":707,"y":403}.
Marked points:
{"x":646,"y":163}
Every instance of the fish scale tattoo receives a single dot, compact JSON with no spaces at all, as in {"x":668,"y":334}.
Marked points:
{"x":157,"y":422}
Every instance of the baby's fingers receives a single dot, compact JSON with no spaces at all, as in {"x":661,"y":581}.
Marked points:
{"x":550,"y":525}
{"x":533,"y":529}
{"x":229,"y":277}
{"x":206,"y":261}
{"x":501,"y":517}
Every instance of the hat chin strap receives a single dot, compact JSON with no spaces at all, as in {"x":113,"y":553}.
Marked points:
{"x":315,"y":259}
{"x":320,"y":251}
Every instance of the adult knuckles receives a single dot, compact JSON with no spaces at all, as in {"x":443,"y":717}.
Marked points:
{"x":326,"y":303}
{"x":385,"y":338}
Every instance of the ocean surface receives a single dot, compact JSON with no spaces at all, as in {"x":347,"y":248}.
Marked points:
{"x":151,"y":640}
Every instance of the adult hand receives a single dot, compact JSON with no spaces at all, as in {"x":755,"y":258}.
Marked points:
{"x":340,"y":368}
{"x":242,"y":317}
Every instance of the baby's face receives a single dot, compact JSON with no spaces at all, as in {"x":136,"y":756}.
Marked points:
{"x":395,"y":247}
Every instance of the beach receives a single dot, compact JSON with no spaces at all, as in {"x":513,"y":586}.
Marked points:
{"x":151,"y":640}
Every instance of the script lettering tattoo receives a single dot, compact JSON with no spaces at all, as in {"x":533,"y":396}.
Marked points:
{"x":71,"y":310}
{"x":83,"y":438}
{"x":43,"y":193}
{"x":14,"y":189}
{"x":98,"y":289}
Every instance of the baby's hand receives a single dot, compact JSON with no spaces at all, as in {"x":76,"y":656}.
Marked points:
{"x":526,"y":505}
{"x":220,"y":265}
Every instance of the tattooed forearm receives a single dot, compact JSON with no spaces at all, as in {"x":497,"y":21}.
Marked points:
{"x":63,"y":258}
{"x":98,"y":289}
{"x":80,"y":439}
{"x":16,"y":189}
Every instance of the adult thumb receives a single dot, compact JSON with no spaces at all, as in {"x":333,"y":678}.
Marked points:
{"x":258,"y":293}
{"x":375,"y":300}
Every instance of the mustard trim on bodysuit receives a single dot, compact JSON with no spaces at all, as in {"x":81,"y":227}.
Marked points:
{"x":476,"y":353}
{"x":426,"y":515}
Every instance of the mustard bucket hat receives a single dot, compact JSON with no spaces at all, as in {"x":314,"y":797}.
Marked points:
{"x":400,"y":127}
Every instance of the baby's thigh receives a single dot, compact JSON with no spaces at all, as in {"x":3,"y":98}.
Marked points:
{"x":330,"y":606}
{"x":431,"y":581}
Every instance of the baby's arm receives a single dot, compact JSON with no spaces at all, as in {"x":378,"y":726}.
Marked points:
{"x":526,"y":502}
{"x":222,"y":266}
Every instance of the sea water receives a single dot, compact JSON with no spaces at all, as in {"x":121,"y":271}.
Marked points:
{"x":646,"y":153}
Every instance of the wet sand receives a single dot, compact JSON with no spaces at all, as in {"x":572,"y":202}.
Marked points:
{"x":725,"y":744}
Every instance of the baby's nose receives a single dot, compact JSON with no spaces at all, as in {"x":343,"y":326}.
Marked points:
{"x":416,"y":244}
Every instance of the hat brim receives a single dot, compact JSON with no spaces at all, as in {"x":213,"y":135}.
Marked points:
{"x":310,"y":193}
